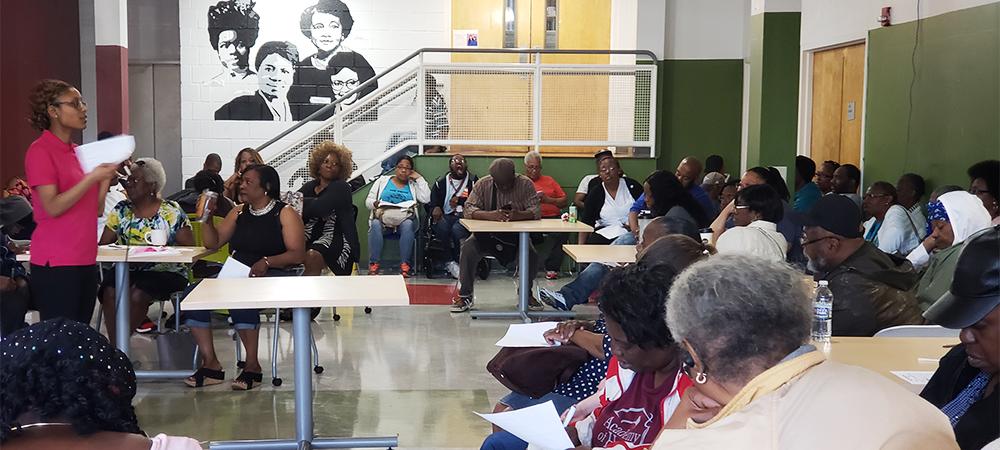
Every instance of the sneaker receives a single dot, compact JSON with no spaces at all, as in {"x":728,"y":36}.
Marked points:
{"x":404,"y":270}
{"x":461,"y":304}
{"x":553,"y":299}
{"x":534,"y":304}
{"x":551,"y":275}
{"x":452,"y":268}
{"x":373,"y":269}
{"x":147,"y":326}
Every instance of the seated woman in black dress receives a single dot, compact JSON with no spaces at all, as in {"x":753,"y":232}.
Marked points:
{"x":328,"y":213}
{"x":269,"y":238}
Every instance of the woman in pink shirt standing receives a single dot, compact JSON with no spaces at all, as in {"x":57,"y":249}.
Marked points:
{"x":66,"y":204}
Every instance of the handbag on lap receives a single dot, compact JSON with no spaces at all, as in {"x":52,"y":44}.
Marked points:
{"x":536,"y":371}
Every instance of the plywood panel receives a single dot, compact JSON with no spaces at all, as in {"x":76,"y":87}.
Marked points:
{"x":827,"y":96}
{"x":853,"y":97}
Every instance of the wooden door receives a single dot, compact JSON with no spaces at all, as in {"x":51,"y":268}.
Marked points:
{"x":837,"y":106}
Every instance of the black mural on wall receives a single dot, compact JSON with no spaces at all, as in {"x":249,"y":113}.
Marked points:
{"x":288,"y":88}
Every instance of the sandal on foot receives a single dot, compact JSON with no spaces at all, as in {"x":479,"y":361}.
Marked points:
{"x":205,"y":377}
{"x":248,"y":379}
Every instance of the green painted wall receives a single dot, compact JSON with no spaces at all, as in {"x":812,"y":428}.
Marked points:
{"x":774,"y":89}
{"x":954,"y":120}
{"x":700,"y":111}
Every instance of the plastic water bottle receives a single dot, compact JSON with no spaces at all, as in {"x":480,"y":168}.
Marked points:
{"x":572,"y":213}
{"x":823,"y":313}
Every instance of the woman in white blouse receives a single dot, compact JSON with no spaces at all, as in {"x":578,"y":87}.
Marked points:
{"x":756,"y":213}
{"x":609,"y":198}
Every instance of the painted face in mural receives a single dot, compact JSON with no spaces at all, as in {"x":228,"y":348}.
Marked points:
{"x":275,"y":76}
{"x":233,"y":52}
{"x":343,"y":82}
{"x":326,"y":31}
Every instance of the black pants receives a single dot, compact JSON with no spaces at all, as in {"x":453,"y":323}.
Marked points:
{"x":64,"y":291}
{"x":13,"y":307}
{"x":554,"y":259}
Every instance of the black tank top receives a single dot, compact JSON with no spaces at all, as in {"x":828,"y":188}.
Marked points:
{"x":257,"y":236}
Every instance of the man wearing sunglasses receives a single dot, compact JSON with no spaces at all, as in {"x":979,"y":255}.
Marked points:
{"x":871,"y":290}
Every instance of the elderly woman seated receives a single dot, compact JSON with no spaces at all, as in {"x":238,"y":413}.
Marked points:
{"x":609,"y":200}
{"x":65,"y":386}
{"x":953,"y":217}
{"x":675,"y":252}
{"x":745,"y":323}
{"x":756,"y":213}
{"x":136,"y":221}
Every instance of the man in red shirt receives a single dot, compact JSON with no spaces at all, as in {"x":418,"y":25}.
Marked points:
{"x":553,"y":199}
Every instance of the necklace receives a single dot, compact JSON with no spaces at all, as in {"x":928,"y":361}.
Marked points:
{"x":264,"y":210}
{"x":38,"y":425}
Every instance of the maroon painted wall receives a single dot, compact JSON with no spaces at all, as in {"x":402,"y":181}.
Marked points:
{"x":38,"y":39}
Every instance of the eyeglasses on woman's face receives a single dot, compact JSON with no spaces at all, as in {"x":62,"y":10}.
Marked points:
{"x":77,"y":103}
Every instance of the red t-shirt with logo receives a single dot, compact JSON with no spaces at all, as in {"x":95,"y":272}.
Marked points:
{"x":635,"y":417}
{"x":67,"y":240}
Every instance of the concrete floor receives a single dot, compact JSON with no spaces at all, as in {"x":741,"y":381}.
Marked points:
{"x":416,"y":371}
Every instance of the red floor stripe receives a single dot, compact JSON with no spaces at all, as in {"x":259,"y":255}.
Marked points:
{"x":431,"y":294}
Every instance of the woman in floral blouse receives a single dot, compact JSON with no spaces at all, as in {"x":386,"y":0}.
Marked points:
{"x":128,"y":224}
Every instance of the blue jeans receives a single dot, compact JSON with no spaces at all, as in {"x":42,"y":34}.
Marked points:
{"x":502,"y":440}
{"x":376,"y":236}
{"x":243,"y":319}
{"x":578,"y":291}
{"x":450,"y":231}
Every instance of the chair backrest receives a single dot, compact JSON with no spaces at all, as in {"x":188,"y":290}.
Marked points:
{"x":219,"y":256}
{"x":917,"y":331}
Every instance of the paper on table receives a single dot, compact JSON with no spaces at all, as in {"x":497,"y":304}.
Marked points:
{"x":612,"y":231}
{"x":537,"y":425}
{"x":526,"y":335}
{"x":918,"y":377}
{"x":234,"y":269}
{"x":112,"y":150}
{"x":406,"y":204}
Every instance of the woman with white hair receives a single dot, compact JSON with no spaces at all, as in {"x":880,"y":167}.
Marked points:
{"x":745,"y":323}
{"x":129,"y":224}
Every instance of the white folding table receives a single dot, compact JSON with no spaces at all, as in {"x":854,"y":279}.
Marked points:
{"x":300,"y":294}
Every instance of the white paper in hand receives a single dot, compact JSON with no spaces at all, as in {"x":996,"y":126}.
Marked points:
{"x":234,"y":269}
{"x":537,"y":425}
{"x":108,"y":151}
{"x":400,"y":205}
{"x":526,"y":335}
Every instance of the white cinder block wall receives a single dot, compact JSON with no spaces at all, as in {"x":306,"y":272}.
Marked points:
{"x":384,"y":32}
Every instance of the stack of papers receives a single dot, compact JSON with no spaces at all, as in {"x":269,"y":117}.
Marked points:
{"x":527,"y":335}
{"x":917,"y":377}
{"x":109,"y":151}
{"x":537,"y":425}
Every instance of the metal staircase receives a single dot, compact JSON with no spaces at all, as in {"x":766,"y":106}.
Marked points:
{"x":528,"y":103}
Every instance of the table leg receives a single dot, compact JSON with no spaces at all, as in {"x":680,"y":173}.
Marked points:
{"x":303,"y":377}
{"x":524,"y":278}
{"x":122,"y":294}
{"x":524,"y":291}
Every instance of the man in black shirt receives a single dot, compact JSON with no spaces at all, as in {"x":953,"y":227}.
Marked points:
{"x":965,"y":384}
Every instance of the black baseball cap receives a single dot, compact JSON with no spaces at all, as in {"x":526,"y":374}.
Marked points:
{"x":837,"y":214}
{"x":975,"y":287}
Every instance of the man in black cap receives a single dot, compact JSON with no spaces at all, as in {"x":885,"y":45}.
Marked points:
{"x":14,"y":293}
{"x":581,"y":191}
{"x":965,"y":384}
{"x":871,"y":290}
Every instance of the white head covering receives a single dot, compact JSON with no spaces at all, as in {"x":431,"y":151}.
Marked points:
{"x":966,"y":214}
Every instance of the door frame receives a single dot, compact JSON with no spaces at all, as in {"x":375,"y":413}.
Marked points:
{"x":803,"y":146}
